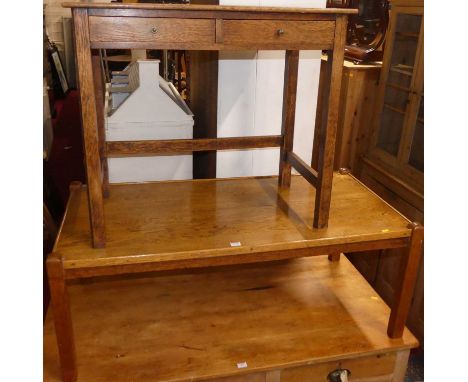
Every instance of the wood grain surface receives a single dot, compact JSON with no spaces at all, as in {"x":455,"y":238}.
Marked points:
{"x":209,"y":33}
{"x":291,"y":70}
{"x":290,"y":315}
{"x":328,"y":136}
{"x":201,"y":7}
{"x":274,"y":33}
{"x":302,"y":168}
{"x":173,"y":146}
{"x":111,"y":29}
{"x":98,"y":79}
{"x":62,"y":320}
{"x":90,"y":127}
{"x":189,"y":220}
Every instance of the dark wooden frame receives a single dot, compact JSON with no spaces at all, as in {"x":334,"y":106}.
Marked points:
{"x":319,"y":175}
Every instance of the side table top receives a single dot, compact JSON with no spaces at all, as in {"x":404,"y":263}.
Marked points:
{"x":201,"y":7}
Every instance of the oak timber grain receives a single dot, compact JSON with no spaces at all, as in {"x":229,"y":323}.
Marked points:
{"x":377,"y":368}
{"x":404,"y":291}
{"x":288,"y":117}
{"x":217,"y":8}
{"x":169,"y":262}
{"x":211,"y":14}
{"x":141,"y":148}
{"x":296,"y":34}
{"x":320,"y":111}
{"x":405,"y":191}
{"x":98,"y":79}
{"x":287,"y":315}
{"x":219,"y":37}
{"x":62,"y":318}
{"x":89,"y":126}
{"x":328,"y":138}
{"x":197,"y":220}
{"x":303,"y":168}
{"x":334,"y":257}
{"x":131,"y":29}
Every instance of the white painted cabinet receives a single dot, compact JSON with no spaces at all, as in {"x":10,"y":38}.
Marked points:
{"x":141,"y":105}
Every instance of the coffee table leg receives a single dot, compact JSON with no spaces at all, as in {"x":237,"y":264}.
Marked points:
{"x":334,"y":257}
{"x":62,"y":318}
{"x":409,"y":273}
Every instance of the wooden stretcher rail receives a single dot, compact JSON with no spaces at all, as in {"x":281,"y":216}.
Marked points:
{"x":118,"y":149}
{"x":210,"y":261}
{"x":303,"y":168}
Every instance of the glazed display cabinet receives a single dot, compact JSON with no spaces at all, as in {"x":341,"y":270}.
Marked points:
{"x":398,"y":139}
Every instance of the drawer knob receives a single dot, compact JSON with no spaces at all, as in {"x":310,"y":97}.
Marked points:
{"x":339,"y":375}
{"x":154,"y":30}
{"x":280,"y":32}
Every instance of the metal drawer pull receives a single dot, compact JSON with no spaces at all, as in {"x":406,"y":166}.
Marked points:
{"x":154,"y":30}
{"x":280,"y":32}
{"x":339,"y":375}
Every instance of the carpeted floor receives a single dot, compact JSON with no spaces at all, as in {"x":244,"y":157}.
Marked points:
{"x":415,"y":372}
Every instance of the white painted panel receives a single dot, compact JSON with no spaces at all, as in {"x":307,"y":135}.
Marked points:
{"x":268,"y":108}
{"x":267,"y":93}
{"x":306,"y":103}
{"x":145,"y":169}
{"x":149,"y":113}
{"x":236,"y":109}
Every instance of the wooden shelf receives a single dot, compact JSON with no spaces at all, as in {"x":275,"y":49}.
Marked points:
{"x":183,"y":224}
{"x":187,"y":327}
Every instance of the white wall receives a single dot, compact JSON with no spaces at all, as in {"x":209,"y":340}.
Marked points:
{"x":250,"y":91}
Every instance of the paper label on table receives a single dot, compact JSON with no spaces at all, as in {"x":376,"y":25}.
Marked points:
{"x":242,"y":365}
{"x":235,"y":244}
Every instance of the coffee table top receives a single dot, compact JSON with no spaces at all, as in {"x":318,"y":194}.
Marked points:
{"x":186,"y":221}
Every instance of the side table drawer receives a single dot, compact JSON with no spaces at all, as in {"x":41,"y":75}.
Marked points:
{"x":147,"y":30}
{"x":278,"y":33}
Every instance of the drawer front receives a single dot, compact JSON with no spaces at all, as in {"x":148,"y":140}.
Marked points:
{"x":151,"y":30}
{"x":386,"y":367}
{"x":381,"y":368}
{"x":274,"y":34}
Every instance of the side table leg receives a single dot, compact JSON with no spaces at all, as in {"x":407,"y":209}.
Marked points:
{"x":62,"y":318}
{"x":291,"y":70}
{"x":409,"y":273}
{"x":328,"y":127}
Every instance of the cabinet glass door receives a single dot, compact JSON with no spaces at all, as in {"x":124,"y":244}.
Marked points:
{"x":416,"y":157}
{"x":399,"y":82}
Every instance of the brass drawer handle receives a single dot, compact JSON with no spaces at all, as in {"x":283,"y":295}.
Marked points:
{"x":154,"y":30}
{"x":280,"y":32}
